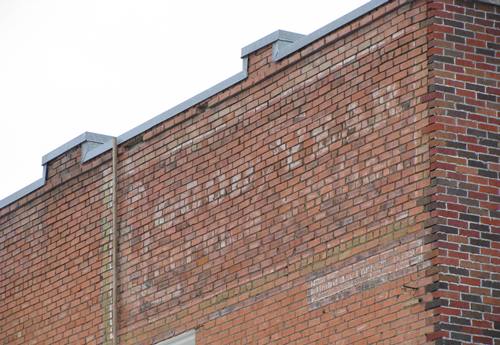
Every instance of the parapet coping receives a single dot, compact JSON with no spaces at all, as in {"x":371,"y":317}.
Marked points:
{"x":86,"y":137}
{"x":286,"y":37}
{"x":284,"y":43}
{"x":279,"y":35}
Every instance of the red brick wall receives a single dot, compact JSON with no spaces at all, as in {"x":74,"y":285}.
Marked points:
{"x":54,"y":282}
{"x":297,"y":207}
{"x":465,"y":41}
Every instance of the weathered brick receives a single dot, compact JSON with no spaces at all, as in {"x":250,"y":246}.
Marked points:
{"x":345,"y":194}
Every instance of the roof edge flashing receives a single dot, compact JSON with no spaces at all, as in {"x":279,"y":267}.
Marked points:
{"x":284,"y":42}
{"x":328,"y":28}
{"x":88,"y":140}
{"x":277,"y":38}
{"x":25,"y":190}
{"x":202,"y":96}
{"x":87,"y":137}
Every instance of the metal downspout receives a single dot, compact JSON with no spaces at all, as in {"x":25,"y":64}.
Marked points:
{"x":114,"y":258}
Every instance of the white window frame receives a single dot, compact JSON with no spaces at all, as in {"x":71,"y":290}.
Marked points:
{"x":187,"y":338}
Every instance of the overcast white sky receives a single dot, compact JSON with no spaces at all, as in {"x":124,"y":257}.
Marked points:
{"x":106,"y":66}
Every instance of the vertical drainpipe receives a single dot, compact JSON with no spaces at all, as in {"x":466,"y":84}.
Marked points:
{"x":114,"y":258}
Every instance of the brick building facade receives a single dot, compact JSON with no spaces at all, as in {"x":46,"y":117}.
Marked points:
{"x":342,"y":189}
